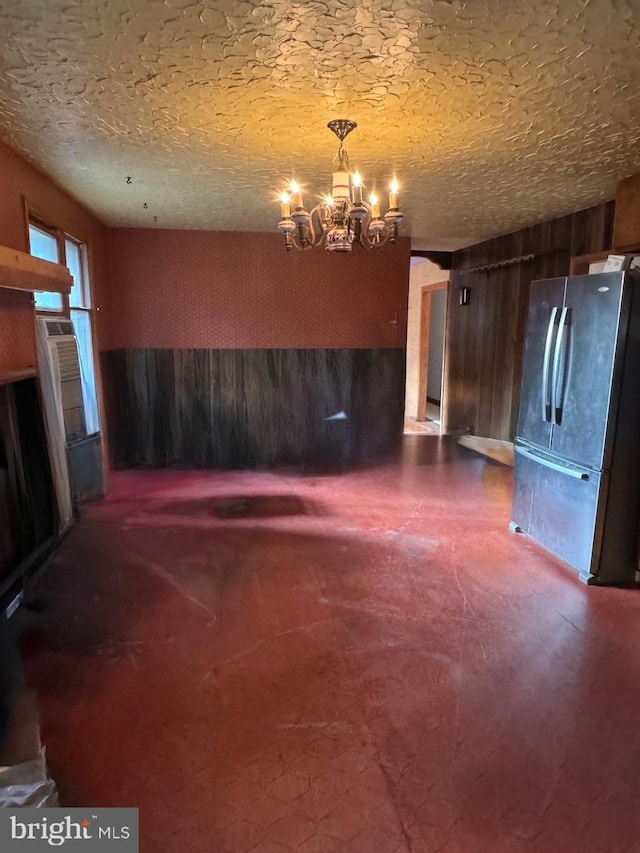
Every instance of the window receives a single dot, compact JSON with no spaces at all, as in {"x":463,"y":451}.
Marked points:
{"x":45,"y":245}
{"x":52,"y":244}
{"x":80,"y":311}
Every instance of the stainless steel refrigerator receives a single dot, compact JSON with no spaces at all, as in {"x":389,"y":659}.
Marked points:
{"x":577,"y":459}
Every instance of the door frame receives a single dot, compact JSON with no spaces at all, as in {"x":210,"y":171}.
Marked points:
{"x":425,"y":334}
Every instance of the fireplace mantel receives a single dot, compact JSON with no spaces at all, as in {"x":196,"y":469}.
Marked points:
{"x":9,"y":376}
{"x":20,"y":271}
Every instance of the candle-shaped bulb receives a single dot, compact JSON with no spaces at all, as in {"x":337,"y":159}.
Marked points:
{"x":285,"y":208}
{"x":296,"y":190}
{"x":375,"y":206}
{"x":356,"y":188}
{"x":328,"y":199}
{"x":393,"y":194}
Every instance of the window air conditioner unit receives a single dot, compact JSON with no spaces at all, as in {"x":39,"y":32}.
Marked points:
{"x":64,"y":366}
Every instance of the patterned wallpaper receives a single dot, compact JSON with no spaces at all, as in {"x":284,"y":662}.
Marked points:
{"x":17,"y":332}
{"x":212,"y":289}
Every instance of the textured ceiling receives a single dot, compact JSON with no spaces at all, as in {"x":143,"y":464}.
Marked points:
{"x":493,"y":114}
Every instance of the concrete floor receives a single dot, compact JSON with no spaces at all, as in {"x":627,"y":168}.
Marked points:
{"x":366,"y":662}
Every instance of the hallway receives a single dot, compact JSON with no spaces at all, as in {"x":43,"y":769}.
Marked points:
{"x":366,"y":662}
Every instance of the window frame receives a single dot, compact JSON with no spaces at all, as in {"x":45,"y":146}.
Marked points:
{"x":85,"y":279}
{"x":40,"y":219}
{"x":61,"y":230}
{"x":36,"y":222}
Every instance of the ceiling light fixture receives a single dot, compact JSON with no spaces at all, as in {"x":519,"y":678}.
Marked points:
{"x":342,"y":218}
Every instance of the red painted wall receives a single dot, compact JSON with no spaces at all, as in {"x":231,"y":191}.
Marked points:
{"x":19,"y":178}
{"x":213,"y":289}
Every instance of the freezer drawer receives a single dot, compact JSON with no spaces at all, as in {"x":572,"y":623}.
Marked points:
{"x":558,"y":507}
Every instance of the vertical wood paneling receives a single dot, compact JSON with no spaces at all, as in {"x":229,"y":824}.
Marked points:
{"x":593,"y":229}
{"x":485,"y":339}
{"x":253,"y":408}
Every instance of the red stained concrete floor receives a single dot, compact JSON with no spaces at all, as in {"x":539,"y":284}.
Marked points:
{"x":363,"y":662}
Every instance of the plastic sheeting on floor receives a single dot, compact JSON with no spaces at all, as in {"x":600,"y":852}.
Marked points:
{"x":27,"y":785}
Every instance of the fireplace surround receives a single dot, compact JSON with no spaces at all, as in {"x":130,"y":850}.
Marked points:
{"x":27,"y":503}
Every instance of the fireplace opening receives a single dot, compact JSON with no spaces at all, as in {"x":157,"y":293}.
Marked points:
{"x":27,"y":503}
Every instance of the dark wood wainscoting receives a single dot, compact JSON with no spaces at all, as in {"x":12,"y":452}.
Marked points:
{"x":252,"y":408}
{"x":485,"y":338}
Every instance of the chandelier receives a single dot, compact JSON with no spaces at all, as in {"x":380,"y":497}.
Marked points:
{"x":343,"y":217}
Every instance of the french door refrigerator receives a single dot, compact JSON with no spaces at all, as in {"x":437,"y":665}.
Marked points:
{"x":577,"y":459}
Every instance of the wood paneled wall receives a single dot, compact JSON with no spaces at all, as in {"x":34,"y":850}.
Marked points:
{"x":253,"y":408}
{"x":485,"y":338}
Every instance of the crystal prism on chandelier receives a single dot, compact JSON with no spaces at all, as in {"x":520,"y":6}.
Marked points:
{"x":343,"y":217}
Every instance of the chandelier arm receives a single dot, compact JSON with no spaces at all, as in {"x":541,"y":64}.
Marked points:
{"x":365,"y":242}
{"x":385,"y":237}
{"x":296,"y":242}
{"x":316,"y":236}
{"x":325,"y":215}
{"x":368,"y":243}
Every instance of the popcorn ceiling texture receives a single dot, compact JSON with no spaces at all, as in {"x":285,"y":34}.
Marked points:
{"x":493,"y":115}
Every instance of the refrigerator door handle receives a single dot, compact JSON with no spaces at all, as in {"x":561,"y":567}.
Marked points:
{"x":556,"y":404}
{"x":555,"y":466}
{"x":546,"y":399}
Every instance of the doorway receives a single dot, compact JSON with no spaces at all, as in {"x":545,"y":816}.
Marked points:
{"x":433,"y":312}
{"x":425,"y":340}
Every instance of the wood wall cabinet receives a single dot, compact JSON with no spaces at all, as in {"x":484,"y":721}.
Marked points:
{"x":626,"y":231}
{"x":580,"y":263}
